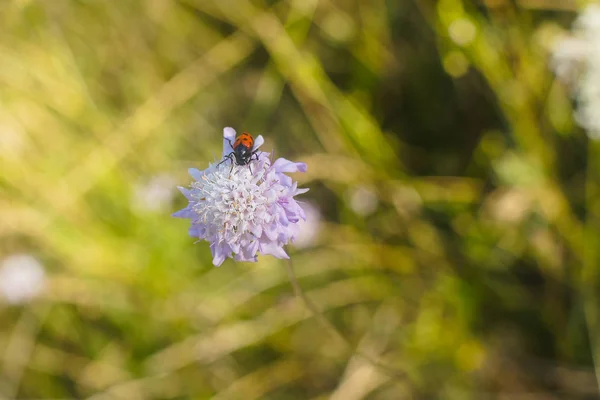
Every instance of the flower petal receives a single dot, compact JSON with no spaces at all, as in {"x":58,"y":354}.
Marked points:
{"x":271,"y":231}
{"x":228,"y":138}
{"x":273,"y":249}
{"x":285,"y":180}
{"x":284,"y":165}
{"x":196,"y":231}
{"x":256,"y":230}
{"x":186,"y":192}
{"x":220,"y":251}
{"x":241,"y":257}
{"x":196,"y":173}
{"x":258,"y":142}
{"x":235,"y":246}
{"x":248,"y":252}
{"x":185,"y":213}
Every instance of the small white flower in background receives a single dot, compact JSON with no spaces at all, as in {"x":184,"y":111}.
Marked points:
{"x":568,"y":56}
{"x":22,"y":278}
{"x":154,"y":195}
{"x":576,"y":60}
{"x":308,"y":229}
{"x":243,"y":210}
{"x":363,"y":201}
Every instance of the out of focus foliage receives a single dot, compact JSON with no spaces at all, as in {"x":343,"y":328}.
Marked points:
{"x":448,"y":196}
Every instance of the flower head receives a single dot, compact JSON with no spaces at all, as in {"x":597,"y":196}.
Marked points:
{"x":22,"y":277}
{"x":243,"y":210}
{"x":576,"y":59}
{"x":154,"y":195}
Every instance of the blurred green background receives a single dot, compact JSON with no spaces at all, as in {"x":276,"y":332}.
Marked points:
{"x":449,"y":214}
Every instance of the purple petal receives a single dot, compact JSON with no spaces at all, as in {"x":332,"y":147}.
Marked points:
{"x":273,"y":249}
{"x":196,"y":231}
{"x":248,"y":252}
{"x":220,"y":252}
{"x":186,"y":192}
{"x":240,"y":257}
{"x":228,"y":138}
{"x":271,"y":196}
{"x":185,"y":213}
{"x":258,"y":142}
{"x":292,"y":216}
{"x":301,"y":211}
{"x":283,"y":219}
{"x":271,"y":231}
{"x":284,"y":165}
{"x":285,"y":180}
{"x":293,"y":210}
{"x":235,"y":246}
{"x":256,"y":230}
{"x":196,"y":173}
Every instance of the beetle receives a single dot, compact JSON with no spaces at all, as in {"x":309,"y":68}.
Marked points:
{"x":242,"y":150}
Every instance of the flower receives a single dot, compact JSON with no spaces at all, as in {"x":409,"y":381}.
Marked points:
{"x":242,"y":210}
{"x":309,"y":228}
{"x":156,"y":194}
{"x":363,"y":201}
{"x":22,"y":277}
{"x":576,"y":59}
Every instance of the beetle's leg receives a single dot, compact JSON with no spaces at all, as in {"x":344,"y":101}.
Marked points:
{"x":254,"y":156}
{"x":227,"y":157}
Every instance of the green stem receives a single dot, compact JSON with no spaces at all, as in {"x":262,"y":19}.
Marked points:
{"x":333,"y":331}
{"x":589,"y":273}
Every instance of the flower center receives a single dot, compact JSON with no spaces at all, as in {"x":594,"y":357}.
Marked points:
{"x":231,"y":202}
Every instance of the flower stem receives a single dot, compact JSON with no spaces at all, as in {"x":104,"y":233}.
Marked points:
{"x":332,"y":330}
{"x":589,"y":273}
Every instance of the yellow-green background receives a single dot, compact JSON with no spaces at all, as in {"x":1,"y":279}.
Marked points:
{"x":468,"y":280}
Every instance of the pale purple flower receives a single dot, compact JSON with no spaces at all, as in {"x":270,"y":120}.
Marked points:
{"x":22,"y":278}
{"x":155,"y":194}
{"x":309,"y":228}
{"x":363,"y":201}
{"x":244,"y":210}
